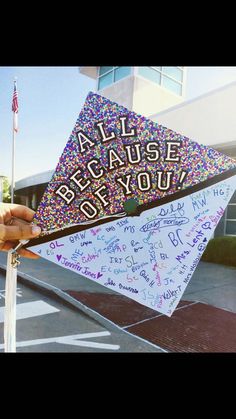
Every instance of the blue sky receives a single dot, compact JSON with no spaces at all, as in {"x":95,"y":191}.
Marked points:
{"x":50,"y":99}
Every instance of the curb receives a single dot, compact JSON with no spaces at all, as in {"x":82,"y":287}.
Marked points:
{"x":64,"y":298}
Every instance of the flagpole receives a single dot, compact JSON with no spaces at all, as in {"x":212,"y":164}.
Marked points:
{"x":10,"y":304}
{"x":13,"y":163}
{"x":13,"y":152}
{"x":12,"y":258}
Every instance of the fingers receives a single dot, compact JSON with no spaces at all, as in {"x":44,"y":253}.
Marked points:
{"x":20,"y":229}
{"x":5,"y":246}
{"x":8,"y":245}
{"x":28,"y":254}
{"x":20,"y":211}
{"x":20,"y":232}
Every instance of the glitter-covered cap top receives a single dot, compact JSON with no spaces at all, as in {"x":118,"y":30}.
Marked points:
{"x":114,"y":155}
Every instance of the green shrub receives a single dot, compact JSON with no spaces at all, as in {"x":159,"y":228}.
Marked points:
{"x":221,"y":250}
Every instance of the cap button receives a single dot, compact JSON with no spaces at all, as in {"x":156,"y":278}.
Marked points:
{"x":130,"y":206}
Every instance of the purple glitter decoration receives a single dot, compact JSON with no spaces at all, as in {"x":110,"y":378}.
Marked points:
{"x":198,"y":161}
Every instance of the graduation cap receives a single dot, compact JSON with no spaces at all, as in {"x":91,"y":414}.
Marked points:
{"x":132,"y":204}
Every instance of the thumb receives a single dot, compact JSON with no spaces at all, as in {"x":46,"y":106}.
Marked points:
{"x":22,"y":231}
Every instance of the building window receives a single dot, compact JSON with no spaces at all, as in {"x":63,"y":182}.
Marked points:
{"x":231,"y":213}
{"x":150,"y":73}
{"x":171,"y":78}
{"x":104,"y":70}
{"x":121,"y":72}
{"x":174,"y":72}
{"x":109,"y":75}
{"x":231,"y":228}
{"x":230,"y":221}
{"x":105,"y":80}
{"x":172,"y":85}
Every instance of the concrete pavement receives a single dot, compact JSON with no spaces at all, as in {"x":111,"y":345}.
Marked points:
{"x":45,"y":324}
{"x":213,"y":284}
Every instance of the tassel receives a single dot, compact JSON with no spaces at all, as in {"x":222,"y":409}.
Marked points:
{"x":10,"y":302}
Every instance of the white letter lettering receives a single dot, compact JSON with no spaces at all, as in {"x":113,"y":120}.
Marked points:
{"x":68,"y":195}
{"x":100,"y":125}
{"x":83,"y":139}
{"x":79,"y":181}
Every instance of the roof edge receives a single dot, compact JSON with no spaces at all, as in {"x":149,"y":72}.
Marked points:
{"x":195,"y":99}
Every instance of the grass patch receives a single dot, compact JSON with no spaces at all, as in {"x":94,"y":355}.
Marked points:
{"x":221,"y":250}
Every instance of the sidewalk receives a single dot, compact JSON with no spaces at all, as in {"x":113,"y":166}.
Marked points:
{"x":214,"y":285}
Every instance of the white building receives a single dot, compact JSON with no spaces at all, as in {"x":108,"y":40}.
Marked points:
{"x":158,"y":93}
{"x":145,"y":90}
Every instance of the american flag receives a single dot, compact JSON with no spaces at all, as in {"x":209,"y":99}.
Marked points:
{"x":15,"y":108}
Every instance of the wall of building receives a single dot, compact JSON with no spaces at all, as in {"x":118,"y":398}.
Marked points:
{"x":29,"y":191}
{"x":120,"y":92}
{"x":149,"y":97}
{"x":140,"y":95}
{"x":31,"y":195}
{"x":209,"y":119}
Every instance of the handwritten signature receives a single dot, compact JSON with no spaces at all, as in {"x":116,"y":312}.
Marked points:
{"x":159,"y":223}
{"x":171,"y":210}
